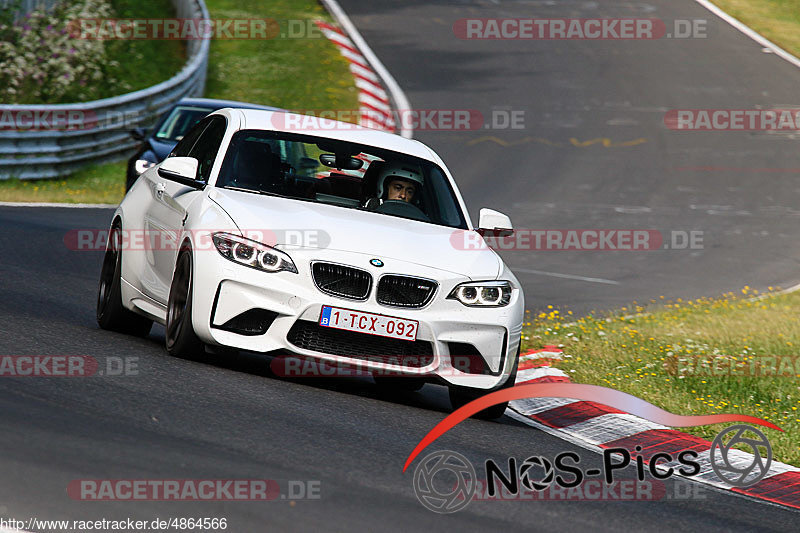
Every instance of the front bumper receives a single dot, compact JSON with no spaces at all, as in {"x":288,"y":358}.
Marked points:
{"x":224,"y":290}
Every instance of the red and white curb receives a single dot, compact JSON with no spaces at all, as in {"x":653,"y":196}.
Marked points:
{"x":375,"y":108}
{"x":596,"y":427}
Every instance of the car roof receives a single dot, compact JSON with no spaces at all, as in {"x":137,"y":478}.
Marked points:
{"x":336,"y":130}
{"x":219,"y":104}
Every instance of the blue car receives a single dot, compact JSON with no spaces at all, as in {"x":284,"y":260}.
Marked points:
{"x":158,"y":142}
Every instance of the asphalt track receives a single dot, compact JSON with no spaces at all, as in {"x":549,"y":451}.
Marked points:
{"x":739,"y":188}
{"x":227,"y":418}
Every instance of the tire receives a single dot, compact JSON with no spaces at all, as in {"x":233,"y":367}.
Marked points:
{"x":393,"y":383}
{"x":461,"y":396}
{"x":181,"y":340}
{"x":111,"y":314}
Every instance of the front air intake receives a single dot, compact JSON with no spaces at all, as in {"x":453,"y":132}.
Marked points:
{"x":251,"y":322}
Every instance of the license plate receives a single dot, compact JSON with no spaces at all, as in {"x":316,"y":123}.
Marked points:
{"x":372,"y":324}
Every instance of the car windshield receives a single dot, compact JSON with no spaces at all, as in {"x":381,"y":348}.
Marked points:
{"x":340,"y":173}
{"x":179,"y":121}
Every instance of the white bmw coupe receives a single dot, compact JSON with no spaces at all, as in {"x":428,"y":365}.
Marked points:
{"x":329,"y":242}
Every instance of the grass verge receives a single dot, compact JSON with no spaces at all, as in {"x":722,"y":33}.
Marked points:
{"x":777,"y":20}
{"x":692,"y":357}
{"x":96,"y":184}
{"x":143,"y":62}
{"x":303,"y":73}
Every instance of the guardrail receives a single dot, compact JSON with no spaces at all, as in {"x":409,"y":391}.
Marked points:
{"x":56,"y":153}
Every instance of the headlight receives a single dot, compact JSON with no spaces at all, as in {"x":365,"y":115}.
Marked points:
{"x":483,"y":293}
{"x":140,"y":165}
{"x":253,"y":254}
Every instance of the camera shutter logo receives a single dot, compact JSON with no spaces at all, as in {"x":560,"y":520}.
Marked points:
{"x":538,"y":484}
{"x":733,"y":470}
{"x":457,"y":482}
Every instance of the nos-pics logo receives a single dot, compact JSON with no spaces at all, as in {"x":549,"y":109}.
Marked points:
{"x":446,"y":481}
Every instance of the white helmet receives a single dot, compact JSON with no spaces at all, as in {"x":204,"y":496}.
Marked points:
{"x":403,"y":171}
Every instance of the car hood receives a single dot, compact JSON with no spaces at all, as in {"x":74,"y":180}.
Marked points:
{"x":285,"y":222}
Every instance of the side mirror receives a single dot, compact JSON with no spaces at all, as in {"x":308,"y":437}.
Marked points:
{"x":138,"y":134}
{"x":181,"y":169}
{"x":494,"y":222}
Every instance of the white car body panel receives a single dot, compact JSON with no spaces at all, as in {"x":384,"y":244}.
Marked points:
{"x":372,"y":233}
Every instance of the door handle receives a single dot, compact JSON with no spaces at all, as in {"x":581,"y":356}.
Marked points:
{"x":160,"y":188}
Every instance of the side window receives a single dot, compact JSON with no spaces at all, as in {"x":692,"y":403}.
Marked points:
{"x":185,"y":145}
{"x":206,"y":148}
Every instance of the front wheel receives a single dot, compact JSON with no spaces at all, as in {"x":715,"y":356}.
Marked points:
{"x":111,"y":314}
{"x":181,"y":339}
{"x":461,"y":396}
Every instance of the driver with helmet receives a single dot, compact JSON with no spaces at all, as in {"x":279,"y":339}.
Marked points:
{"x":397,"y":182}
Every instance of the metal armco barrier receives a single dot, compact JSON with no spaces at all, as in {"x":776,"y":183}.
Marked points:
{"x":26,"y":6}
{"x":58,"y":152}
